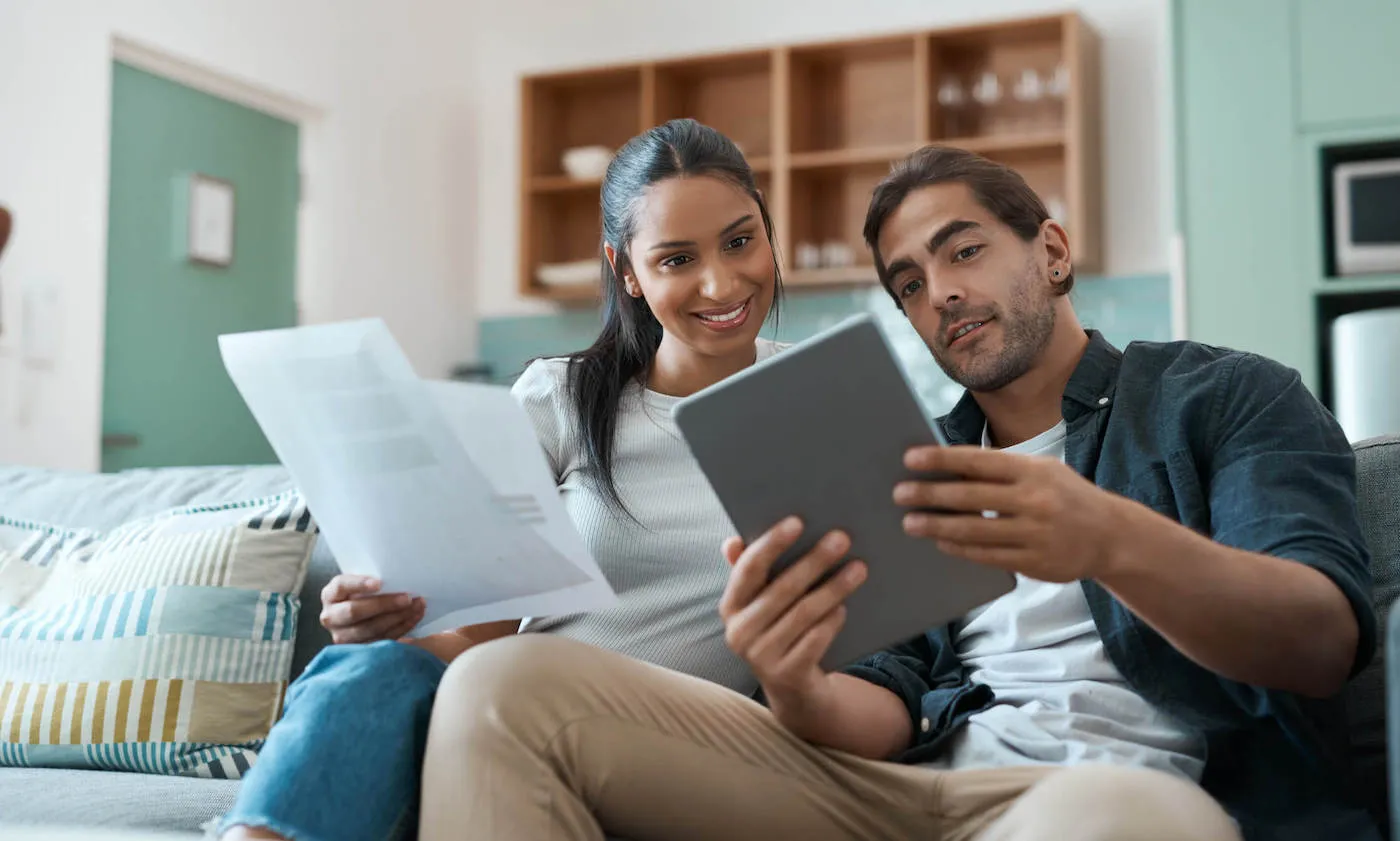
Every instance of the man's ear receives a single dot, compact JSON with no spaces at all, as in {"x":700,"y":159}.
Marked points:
{"x":1057,"y":251}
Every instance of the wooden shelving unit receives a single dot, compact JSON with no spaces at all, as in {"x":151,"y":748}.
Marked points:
{"x":820,"y":125}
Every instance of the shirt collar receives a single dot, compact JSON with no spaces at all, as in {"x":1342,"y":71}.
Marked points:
{"x":1090,"y":388}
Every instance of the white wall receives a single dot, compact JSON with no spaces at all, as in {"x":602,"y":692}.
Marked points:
{"x":391,"y":186}
{"x":535,"y":35}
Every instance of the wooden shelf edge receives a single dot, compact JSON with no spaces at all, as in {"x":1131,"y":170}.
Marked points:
{"x":562,"y":184}
{"x":830,"y":158}
{"x":992,"y":144}
{"x":584,"y":293}
{"x":843,"y":276}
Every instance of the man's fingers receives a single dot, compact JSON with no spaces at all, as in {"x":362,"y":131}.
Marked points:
{"x":775,"y":645}
{"x":350,"y":612}
{"x":751,"y":568}
{"x":957,"y":496}
{"x":813,"y":645}
{"x":972,"y":462}
{"x":1003,"y":557}
{"x":750,"y":623}
{"x":732,"y":549}
{"x":345,"y":585}
{"x":967,"y":528}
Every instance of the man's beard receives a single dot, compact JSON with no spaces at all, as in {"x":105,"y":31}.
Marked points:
{"x":1026,"y":325}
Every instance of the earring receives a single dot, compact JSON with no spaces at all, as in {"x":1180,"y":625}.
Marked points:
{"x":1057,"y":273}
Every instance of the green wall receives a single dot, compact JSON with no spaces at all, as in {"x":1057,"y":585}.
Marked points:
{"x":1260,"y":87}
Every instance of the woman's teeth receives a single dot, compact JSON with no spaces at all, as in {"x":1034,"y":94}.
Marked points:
{"x":729,"y":316}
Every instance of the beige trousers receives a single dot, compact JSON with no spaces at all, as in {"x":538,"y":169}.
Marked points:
{"x":537,"y":738}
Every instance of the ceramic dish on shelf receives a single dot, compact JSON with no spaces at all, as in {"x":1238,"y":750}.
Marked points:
{"x":576,"y":273}
{"x":586,"y":162}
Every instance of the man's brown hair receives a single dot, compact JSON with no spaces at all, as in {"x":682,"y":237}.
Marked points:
{"x":997,"y":187}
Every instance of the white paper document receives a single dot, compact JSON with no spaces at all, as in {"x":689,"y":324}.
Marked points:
{"x":438,"y":489}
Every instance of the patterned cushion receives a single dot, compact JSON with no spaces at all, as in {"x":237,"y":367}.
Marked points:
{"x":163,"y":646}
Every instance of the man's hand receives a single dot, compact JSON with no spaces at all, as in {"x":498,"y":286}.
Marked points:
{"x":1049,"y":523}
{"x":353,"y":612}
{"x":782,"y":629}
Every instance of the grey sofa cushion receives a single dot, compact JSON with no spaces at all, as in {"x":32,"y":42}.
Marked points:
{"x":106,"y":500}
{"x":112,"y":799}
{"x":1378,"y":497}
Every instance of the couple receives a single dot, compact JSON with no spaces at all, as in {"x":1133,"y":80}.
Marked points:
{"x":1192,"y":587}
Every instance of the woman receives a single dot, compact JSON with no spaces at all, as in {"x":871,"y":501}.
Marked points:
{"x":689,"y":274}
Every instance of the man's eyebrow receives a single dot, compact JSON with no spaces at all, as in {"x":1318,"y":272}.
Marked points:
{"x":947,"y":232}
{"x":938,"y":240}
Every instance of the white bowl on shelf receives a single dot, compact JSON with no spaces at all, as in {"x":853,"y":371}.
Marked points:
{"x":577,"y":273}
{"x":586,"y":162}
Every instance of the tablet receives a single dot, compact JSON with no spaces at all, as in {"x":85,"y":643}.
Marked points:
{"x":820,"y":431}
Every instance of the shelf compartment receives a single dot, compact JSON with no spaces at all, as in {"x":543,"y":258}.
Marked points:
{"x":597,"y":108}
{"x":562,"y":227}
{"x":853,"y":96}
{"x":731,"y":93}
{"x":829,"y":206}
{"x":960,"y":58}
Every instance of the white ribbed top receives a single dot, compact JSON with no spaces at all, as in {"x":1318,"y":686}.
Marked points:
{"x":665,"y":566}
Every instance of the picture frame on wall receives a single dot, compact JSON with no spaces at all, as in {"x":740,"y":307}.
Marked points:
{"x":212,"y":209}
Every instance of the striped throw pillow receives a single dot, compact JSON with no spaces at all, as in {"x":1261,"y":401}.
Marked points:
{"x":163,"y":646}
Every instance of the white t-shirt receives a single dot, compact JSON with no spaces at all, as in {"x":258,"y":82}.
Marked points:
{"x":1059,"y":699}
{"x":666,"y":565}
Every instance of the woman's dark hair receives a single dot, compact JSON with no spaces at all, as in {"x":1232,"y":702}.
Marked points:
{"x":997,"y":187}
{"x":624,"y":350}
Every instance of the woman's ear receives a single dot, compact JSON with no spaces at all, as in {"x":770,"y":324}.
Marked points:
{"x":629,"y":283}
{"x":610,"y":254}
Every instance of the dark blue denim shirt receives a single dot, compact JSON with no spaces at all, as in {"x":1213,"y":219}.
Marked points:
{"x":1233,"y":446}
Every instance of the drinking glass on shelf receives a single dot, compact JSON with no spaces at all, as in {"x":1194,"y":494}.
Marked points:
{"x":987,"y":93}
{"x":1056,"y":90}
{"x":1028,"y":92}
{"x":952,"y":104}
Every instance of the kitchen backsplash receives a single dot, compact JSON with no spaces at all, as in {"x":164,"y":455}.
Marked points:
{"x":1124,"y":308}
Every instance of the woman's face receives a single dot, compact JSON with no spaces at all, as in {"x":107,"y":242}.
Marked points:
{"x":701,"y":259}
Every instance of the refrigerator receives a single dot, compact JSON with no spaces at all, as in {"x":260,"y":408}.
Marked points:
{"x":1366,"y":372}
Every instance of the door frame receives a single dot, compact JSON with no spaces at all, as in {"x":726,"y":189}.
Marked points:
{"x":307,"y":118}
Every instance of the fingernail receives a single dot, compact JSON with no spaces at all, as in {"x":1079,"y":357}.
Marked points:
{"x":915,"y":522}
{"x":792,"y":527}
{"x":404,"y":600}
{"x":836,"y":541}
{"x":902,"y":491}
{"x":855,"y":573}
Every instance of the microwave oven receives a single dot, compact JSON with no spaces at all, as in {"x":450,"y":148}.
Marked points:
{"x":1366,"y":216}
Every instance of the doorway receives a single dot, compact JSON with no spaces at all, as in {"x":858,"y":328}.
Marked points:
{"x":202,"y":240}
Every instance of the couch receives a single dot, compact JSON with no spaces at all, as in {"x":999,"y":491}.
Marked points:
{"x":110,"y":799}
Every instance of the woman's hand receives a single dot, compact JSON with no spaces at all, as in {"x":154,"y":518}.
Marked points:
{"x":353,"y":613}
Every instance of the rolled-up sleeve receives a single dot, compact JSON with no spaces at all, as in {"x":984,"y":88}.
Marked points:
{"x":1282,"y":482}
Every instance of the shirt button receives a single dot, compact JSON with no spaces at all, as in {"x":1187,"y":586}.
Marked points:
{"x":1103,"y":401}
{"x":924,"y":725}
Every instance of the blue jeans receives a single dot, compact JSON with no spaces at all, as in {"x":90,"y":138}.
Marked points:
{"x":345,"y":760}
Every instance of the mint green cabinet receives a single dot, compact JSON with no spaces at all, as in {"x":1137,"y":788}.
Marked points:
{"x":1235,"y":178}
{"x":1348,"y":60}
{"x":1260,"y":86}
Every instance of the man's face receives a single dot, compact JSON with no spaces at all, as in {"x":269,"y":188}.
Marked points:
{"x":978,"y":294}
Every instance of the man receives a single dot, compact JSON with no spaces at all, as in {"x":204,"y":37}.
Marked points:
{"x":1191,"y":587}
